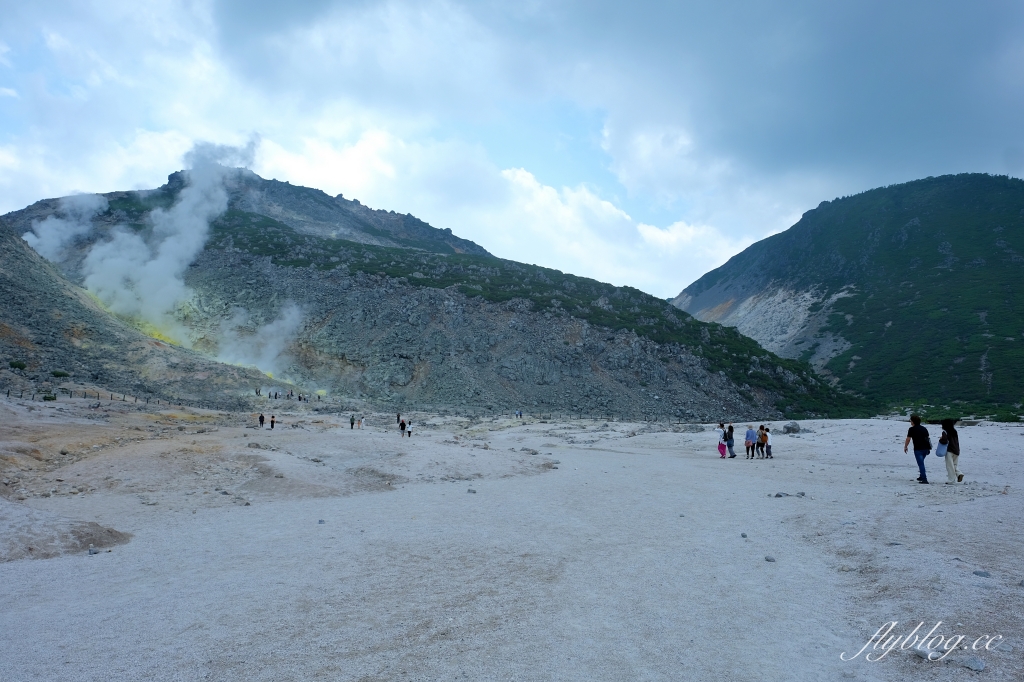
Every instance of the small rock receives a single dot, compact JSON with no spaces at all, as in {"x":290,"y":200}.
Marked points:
{"x":224,"y":492}
{"x":682,"y":515}
{"x":255,"y":446}
{"x":973,"y":663}
{"x":317,"y":460}
{"x":791,"y":427}
{"x":93,"y":550}
{"x":743,"y":535}
{"x":781,"y":494}
{"x":927,"y":654}
{"x":470,"y":491}
{"x":320,"y":522}
{"x":801,"y":494}
{"x":770,"y":559}
{"x":554,"y":467}
{"x":63,"y":451}
{"x":983,"y":574}
{"x":181,"y":428}
{"x":246,"y":505}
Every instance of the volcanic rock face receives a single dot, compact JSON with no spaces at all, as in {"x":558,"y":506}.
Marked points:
{"x":379,"y":338}
{"x":330,"y":295}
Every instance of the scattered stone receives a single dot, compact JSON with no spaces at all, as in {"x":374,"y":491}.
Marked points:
{"x":743,"y":535}
{"x":224,"y":492}
{"x":470,"y":491}
{"x":93,"y":550}
{"x":801,"y":494}
{"x":63,"y":451}
{"x":983,"y":574}
{"x":973,"y":663}
{"x":255,"y":446}
{"x":181,"y":428}
{"x":320,"y":522}
{"x":246,"y":505}
{"x":682,"y":515}
{"x":781,"y":494}
{"x":317,"y":460}
{"x":278,"y":475}
{"x":791,"y":427}
{"x":770,"y":559}
{"x":927,"y":654}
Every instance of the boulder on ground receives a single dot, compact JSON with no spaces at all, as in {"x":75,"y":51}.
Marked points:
{"x":791,"y":427}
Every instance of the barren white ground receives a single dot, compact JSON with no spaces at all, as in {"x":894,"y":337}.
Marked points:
{"x":614,"y":553}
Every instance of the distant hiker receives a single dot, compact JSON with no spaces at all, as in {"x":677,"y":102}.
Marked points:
{"x":359,"y":423}
{"x":271,"y":422}
{"x":261,"y":420}
{"x":922,"y":445}
{"x":730,"y":440}
{"x":408,"y":429}
{"x":352,"y":422}
{"x":401,"y":426}
{"x":398,"y":418}
{"x":768,"y":442}
{"x":950,"y":442}
{"x":762,"y":438}
{"x":748,"y":441}
{"x":721,"y":439}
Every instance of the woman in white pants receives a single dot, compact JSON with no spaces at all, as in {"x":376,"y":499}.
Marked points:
{"x":951,"y":440}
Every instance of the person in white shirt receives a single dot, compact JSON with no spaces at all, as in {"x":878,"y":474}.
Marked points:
{"x":408,"y":428}
{"x":768,"y":443}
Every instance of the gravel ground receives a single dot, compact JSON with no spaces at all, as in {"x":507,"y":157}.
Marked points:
{"x":587,"y":551}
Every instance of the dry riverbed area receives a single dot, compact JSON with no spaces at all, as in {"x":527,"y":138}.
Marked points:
{"x":189,"y":544}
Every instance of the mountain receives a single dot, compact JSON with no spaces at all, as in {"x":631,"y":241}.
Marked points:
{"x":908,"y":292}
{"x":333,"y":296}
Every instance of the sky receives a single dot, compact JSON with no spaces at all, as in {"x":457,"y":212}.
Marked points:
{"x":639,"y":143}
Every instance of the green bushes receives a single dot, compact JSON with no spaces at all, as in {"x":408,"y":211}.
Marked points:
{"x":17,"y":364}
{"x":60,"y":374}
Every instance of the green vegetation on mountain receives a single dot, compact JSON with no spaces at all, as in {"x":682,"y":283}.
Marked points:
{"x":741,"y":359}
{"x":934,"y":276}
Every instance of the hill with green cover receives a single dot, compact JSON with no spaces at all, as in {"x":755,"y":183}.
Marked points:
{"x":907,"y":293}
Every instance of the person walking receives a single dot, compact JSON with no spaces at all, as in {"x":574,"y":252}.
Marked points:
{"x":922,"y":445}
{"x":748,"y":440}
{"x":721,"y":439}
{"x":398,"y":418}
{"x":352,"y":422}
{"x":759,"y":441}
{"x":271,"y":422}
{"x":730,"y":440}
{"x":359,"y":423}
{"x":950,"y":442}
{"x":768,"y":442}
{"x":408,"y":429}
{"x":261,"y":420}
{"x":401,"y":427}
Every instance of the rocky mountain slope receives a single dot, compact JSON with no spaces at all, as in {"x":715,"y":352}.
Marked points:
{"x":372,"y":305}
{"x":908,"y":292}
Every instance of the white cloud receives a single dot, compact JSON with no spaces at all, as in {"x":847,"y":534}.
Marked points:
{"x":8,"y":92}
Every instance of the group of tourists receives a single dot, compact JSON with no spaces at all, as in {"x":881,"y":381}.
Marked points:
{"x":948,"y":448}
{"x":273,"y":420}
{"x":404,"y":427}
{"x":758,"y":443}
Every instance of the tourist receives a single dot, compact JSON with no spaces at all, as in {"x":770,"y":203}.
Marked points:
{"x":759,"y":441}
{"x":922,"y":445}
{"x":730,"y":440}
{"x":408,"y":429}
{"x":359,"y":423}
{"x":401,"y":427}
{"x":261,"y":420}
{"x":768,"y":442}
{"x":721,"y":439}
{"x":950,"y":441}
{"x":352,"y":422}
{"x":398,"y":418}
{"x":271,"y":422}
{"x":748,"y":441}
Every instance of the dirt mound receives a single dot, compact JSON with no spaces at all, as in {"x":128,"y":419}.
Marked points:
{"x":26,"y":533}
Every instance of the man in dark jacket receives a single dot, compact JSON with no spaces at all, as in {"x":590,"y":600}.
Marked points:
{"x":922,"y":445}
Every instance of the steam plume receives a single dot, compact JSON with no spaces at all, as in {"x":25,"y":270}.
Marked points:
{"x":74,"y":216}
{"x":142,"y":278}
{"x":265,"y":347}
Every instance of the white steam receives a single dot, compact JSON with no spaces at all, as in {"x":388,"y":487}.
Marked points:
{"x":74,"y":217}
{"x":264,"y":347}
{"x":142,"y":278}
